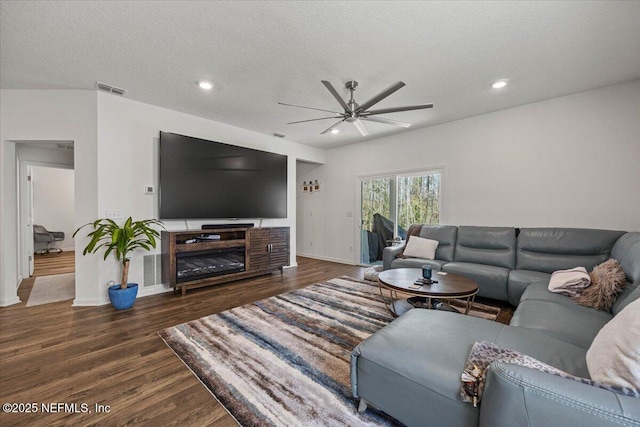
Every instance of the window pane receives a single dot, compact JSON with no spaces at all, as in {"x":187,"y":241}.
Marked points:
{"x":418,"y":200}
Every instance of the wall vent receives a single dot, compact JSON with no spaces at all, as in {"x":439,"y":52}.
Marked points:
{"x":68,"y":147}
{"x":152,"y":274}
{"x":278,"y":135}
{"x":110,"y":89}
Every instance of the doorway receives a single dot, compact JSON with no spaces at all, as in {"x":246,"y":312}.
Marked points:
{"x":389,"y":204}
{"x":46,"y":197}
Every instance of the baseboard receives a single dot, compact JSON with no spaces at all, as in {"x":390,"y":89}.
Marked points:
{"x":10,"y":301}
{"x":87,"y":302}
{"x":324,"y":258}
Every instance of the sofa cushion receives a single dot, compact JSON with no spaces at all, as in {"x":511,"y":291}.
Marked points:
{"x":491,"y":280}
{"x":551,"y":249}
{"x":435,"y":264}
{"x":614,"y":355}
{"x":519,"y":280}
{"x":627,"y":252}
{"x":539,"y":291}
{"x":630,"y":293}
{"x":446,"y":237}
{"x":416,"y":360}
{"x":486,"y":245}
{"x":419,"y":247}
{"x":574,"y":323}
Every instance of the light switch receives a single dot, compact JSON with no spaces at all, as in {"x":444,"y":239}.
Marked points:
{"x":114,"y":214}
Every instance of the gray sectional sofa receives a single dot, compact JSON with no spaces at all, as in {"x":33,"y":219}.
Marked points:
{"x":505,"y":260}
{"x":411,"y":368}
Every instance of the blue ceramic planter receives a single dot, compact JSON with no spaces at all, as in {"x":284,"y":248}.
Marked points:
{"x":122,"y":299}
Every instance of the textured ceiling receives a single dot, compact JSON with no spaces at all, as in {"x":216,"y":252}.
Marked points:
{"x":259,"y":53}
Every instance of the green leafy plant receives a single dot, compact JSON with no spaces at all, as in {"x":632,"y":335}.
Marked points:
{"x":121,"y":240}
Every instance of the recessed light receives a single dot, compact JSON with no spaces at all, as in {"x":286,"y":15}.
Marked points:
{"x":499,"y":84}
{"x":334,"y":131}
{"x":205,"y":85}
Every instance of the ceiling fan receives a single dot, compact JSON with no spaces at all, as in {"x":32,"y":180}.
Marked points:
{"x":355,"y":113}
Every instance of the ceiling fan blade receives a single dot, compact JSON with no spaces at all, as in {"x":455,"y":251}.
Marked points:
{"x":312,"y":120}
{"x":358,"y":124}
{"x":396,"y":109}
{"x":336,"y":95}
{"x":330,"y":128}
{"x":386,"y":121}
{"x":309,"y":108}
{"x":382,"y":95}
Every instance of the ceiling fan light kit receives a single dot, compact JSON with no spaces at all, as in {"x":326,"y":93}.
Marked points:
{"x":356,"y":113}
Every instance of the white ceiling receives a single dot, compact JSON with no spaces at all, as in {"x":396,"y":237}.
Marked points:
{"x":259,"y":53}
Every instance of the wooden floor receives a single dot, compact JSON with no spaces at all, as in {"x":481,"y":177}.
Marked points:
{"x":54,"y":263}
{"x":95,"y":355}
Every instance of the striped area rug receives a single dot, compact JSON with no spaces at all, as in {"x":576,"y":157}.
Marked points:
{"x":284,"y":361}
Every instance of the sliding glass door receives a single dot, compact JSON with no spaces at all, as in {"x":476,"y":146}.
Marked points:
{"x":390,"y":204}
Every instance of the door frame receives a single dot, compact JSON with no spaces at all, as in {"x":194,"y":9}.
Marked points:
{"x":25,"y":213}
{"x":394,"y":174}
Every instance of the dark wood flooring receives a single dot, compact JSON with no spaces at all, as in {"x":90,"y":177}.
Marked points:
{"x":56,"y":353}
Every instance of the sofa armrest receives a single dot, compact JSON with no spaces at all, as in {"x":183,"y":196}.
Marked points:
{"x":389,"y":254}
{"x":516,"y":395}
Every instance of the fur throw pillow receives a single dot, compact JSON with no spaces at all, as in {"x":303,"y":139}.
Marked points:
{"x":607,"y":280}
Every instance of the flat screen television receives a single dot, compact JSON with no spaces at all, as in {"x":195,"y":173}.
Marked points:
{"x":202,"y":179}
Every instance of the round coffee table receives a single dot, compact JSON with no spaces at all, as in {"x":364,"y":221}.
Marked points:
{"x":449,"y":286}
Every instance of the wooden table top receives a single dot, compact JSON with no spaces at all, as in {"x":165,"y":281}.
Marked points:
{"x":449,"y":285}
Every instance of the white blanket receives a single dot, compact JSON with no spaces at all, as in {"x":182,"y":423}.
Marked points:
{"x":569,"y":282}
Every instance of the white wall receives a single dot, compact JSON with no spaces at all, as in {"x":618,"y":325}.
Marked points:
{"x":114,"y":141}
{"x":48,"y":115}
{"x":53,"y":205}
{"x":128,"y":135}
{"x":572,"y":161}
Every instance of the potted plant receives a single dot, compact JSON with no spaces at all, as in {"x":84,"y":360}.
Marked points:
{"x":121,"y":240}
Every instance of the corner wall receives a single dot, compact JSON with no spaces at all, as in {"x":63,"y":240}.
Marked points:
{"x":114,"y":142}
{"x":571,"y":161}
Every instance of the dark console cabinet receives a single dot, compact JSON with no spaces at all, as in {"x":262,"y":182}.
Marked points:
{"x":192,"y":259}
{"x":269,"y":248}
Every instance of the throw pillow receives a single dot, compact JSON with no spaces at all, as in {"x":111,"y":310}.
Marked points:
{"x":569,"y":282}
{"x":614,"y":355}
{"x":607,"y":280}
{"x":419,"y":247}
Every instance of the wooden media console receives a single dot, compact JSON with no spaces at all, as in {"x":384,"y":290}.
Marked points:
{"x":192,"y":259}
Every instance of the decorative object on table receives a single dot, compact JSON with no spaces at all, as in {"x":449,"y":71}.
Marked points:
{"x":426,"y":272}
{"x":121,"y":240}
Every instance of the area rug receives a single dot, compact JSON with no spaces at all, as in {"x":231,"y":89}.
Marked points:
{"x":284,"y":361}
{"x":47,"y":289}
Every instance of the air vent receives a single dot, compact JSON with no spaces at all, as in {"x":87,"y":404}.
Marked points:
{"x":278,"y":135}
{"x":110,"y":89}
{"x":152,"y":272}
{"x":67,"y":147}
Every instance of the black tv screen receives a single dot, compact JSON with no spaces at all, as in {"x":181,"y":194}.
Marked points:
{"x":202,"y":179}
